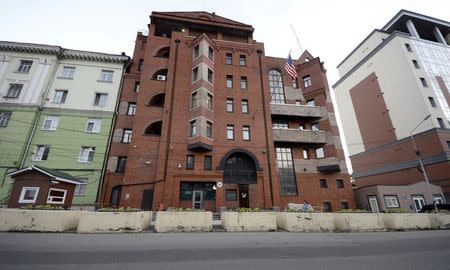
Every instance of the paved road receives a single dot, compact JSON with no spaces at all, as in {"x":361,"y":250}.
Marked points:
{"x":389,"y":250}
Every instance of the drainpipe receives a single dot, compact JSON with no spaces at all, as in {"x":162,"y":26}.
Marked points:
{"x":265,"y":124}
{"x":38,"y":113}
{"x":110,"y":136}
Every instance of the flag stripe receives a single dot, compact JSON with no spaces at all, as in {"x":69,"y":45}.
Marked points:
{"x":290,"y":68}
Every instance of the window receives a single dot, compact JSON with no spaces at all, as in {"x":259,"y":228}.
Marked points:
{"x":100,"y":99}
{"x":448,"y":144}
{"x":320,"y":153}
{"x":60,"y":96}
{"x":207,"y":164}
{"x":50,"y":123}
{"x":196,"y":51}
{"x":211,"y":53}
{"x":244,"y":106}
{"x":194,"y":100}
{"x":441,"y":123}
{"x":68,"y":72}
{"x":416,"y":64}
{"x":424,"y":82}
{"x":246,"y":133}
{"x":86,"y":154}
{"x":305,"y":154}
{"x":315,"y":126}
{"x":93,"y":125}
{"x":280,"y":124}
{"x":229,"y":81}
{"x":14,"y":90}
{"x":242,"y":60}
{"x":391,"y":201}
{"x":307,"y":81}
{"x":276,"y":87}
{"x":25,"y":66}
{"x":408,"y":47}
{"x":311,"y":102}
{"x":4,"y":118}
{"x":190,"y":162}
{"x":28,"y":195}
{"x":80,"y":189}
{"x":131,"y":108}
{"x":195,"y":74}
{"x":229,"y":105}
{"x":323,"y":183}
{"x":126,"y":136}
{"x":209,"y":129}
{"x":210,"y":76}
{"x":140,"y":65}
{"x":231,"y":195}
{"x":286,"y":171}
{"x":432,"y":102}
{"x":340,"y":183}
{"x":298,"y":102}
{"x":344,"y":205}
{"x":106,"y":75}
{"x":229,"y":58}
{"x":327,"y":207}
{"x":56,"y":196}
{"x":41,"y":152}
{"x":209,"y":101}
{"x":243,"y":82}
{"x":438,"y":199}
{"x":230,"y":132}
{"x":192,"y":128}
{"x":121,"y":164}
{"x":137,"y":87}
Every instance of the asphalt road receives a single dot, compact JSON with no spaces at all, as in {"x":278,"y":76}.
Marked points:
{"x":280,"y":250}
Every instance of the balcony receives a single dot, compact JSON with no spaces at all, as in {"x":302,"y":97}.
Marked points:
{"x":296,"y":110}
{"x":299,"y":136}
{"x":324,"y":165}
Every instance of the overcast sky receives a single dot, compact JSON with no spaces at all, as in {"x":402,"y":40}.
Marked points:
{"x":330,"y":29}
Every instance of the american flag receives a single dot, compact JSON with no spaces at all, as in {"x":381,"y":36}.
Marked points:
{"x":290,"y":68}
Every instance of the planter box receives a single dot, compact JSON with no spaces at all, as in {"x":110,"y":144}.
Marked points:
{"x":358,"y":222}
{"x":110,"y":222}
{"x":440,"y":220}
{"x":305,"y":222}
{"x":406,"y":221}
{"x":38,"y":220}
{"x":183,"y":221}
{"x":249,"y":221}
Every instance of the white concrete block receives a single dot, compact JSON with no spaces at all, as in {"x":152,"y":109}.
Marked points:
{"x":38,"y":220}
{"x":183,"y":221}
{"x":249,"y":221}
{"x":305,"y":222}
{"x":440,"y":220}
{"x":358,"y":222}
{"x":110,"y":222}
{"x":406,"y":221}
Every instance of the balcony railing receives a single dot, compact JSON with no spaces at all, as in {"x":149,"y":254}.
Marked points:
{"x":299,"y":136}
{"x":295,"y":110}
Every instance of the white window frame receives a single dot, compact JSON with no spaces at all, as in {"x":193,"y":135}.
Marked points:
{"x":25,"y":66}
{"x":49,"y":198}
{"x":60,"y":96}
{"x":4,"y":118}
{"x":391,"y":201}
{"x":97,"y":124}
{"x":85,"y":152}
{"x":24,"y":190}
{"x":39,"y":152}
{"x":230,"y":132}
{"x":14,"y":90}
{"x":307,"y":82}
{"x":437,"y":198}
{"x":131,"y":110}
{"x":246,"y":133}
{"x":103,"y":97}
{"x":68,"y":72}
{"x":320,"y":153}
{"x":106,"y":75}
{"x":126,"y":135}
{"x":80,"y":189}
{"x":54,"y":121}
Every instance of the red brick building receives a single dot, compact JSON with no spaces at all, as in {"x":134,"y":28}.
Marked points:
{"x":216,"y":123}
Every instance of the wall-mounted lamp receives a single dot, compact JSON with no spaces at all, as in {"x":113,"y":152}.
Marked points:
{"x":179,"y":165}
{"x":148,"y":162}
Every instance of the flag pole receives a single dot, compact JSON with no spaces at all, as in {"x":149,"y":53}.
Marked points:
{"x":296,"y":37}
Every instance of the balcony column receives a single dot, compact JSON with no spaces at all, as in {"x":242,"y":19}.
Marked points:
{"x":412,"y":29}
{"x":439,"y":37}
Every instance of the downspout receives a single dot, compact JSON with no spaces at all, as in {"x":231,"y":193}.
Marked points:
{"x":265,"y":124}
{"x":110,"y":136}
{"x":38,"y":113}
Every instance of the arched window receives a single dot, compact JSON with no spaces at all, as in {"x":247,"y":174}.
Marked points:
{"x":163,"y":52}
{"x":154,"y":128}
{"x":115,"y":195}
{"x":160,"y":75}
{"x":239,"y":167}
{"x":276,"y":87}
{"x":157,"y":100}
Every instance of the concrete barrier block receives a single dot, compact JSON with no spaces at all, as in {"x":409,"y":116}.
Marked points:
{"x":358,"y":222}
{"x":38,"y":220}
{"x":305,"y":222}
{"x":180,"y":221}
{"x":440,"y":220}
{"x":111,"y":222}
{"x":407,"y":221}
{"x":249,"y":221}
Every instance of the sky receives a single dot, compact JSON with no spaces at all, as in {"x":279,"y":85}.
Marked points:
{"x":326,"y":28}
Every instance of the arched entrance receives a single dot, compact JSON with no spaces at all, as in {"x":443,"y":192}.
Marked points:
{"x":115,"y":195}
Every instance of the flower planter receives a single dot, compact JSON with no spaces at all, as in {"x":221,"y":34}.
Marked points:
{"x":358,"y":222}
{"x":112,"y":222}
{"x":305,"y":222}
{"x":38,"y":220}
{"x":439,"y":220}
{"x":183,"y":221}
{"x":406,"y":221}
{"x":249,"y":221}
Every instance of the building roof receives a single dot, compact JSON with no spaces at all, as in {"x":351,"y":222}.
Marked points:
{"x":404,"y":15}
{"x":58,"y":175}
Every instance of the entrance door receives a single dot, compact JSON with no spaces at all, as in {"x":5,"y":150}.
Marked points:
{"x":147,"y":199}
{"x":197,"y":199}
{"x":419,"y":202}
{"x":243,"y":196}
{"x":115,"y":195}
{"x":373,"y":202}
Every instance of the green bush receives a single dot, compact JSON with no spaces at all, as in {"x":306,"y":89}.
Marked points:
{"x":121,"y":209}
{"x":243,"y":209}
{"x":187,"y":210}
{"x":353,"y":211}
{"x":41,"y":207}
{"x":299,"y":211}
{"x":440,"y":211}
{"x":398,"y":211}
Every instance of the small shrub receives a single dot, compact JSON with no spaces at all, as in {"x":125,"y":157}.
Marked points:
{"x":42,"y":207}
{"x":187,"y":210}
{"x":356,"y":211}
{"x":398,"y":211}
{"x":247,"y":209}
{"x":440,"y":211}
{"x":299,"y":211}
{"x":121,"y":209}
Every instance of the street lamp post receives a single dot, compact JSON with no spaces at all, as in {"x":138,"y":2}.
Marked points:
{"x":417,"y":152}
